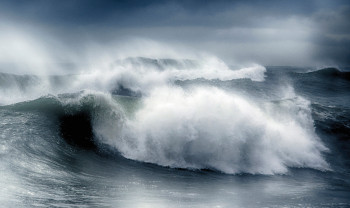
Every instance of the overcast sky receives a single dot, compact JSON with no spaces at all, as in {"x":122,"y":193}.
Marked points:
{"x":261,"y":31}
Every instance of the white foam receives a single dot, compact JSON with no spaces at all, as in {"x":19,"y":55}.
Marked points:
{"x":211,"y":128}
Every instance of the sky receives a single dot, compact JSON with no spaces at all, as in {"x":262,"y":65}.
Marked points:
{"x":267,"y":32}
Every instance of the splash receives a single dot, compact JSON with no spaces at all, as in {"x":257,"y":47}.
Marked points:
{"x":213,"y":129}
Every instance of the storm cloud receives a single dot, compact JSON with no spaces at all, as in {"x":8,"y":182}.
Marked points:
{"x":266,"y":32}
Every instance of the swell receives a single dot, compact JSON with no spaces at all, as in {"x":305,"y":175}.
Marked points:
{"x":327,"y":73}
{"x":331,"y":72}
{"x":329,"y":86}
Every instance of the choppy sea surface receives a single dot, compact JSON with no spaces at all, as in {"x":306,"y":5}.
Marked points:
{"x":176,"y":133}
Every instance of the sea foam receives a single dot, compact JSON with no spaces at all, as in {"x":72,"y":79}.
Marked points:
{"x":208,"y":128}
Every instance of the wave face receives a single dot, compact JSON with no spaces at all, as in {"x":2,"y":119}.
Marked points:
{"x":136,"y":107}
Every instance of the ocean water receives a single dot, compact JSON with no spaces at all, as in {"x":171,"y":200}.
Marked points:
{"x":147,"y":132}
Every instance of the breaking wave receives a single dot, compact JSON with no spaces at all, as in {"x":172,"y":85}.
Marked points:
{"x":163,"y":123}
{"x":208,"y":128}
{"x":204,"y":128}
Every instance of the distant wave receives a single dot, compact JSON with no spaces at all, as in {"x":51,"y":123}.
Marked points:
{"x":330,"y":73}
{"x":130,"y":76}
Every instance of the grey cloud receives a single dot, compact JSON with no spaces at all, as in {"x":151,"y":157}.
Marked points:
{"x":269,"y":32}
{"x":332,"y":37}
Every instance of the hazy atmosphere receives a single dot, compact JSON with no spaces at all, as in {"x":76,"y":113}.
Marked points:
{"x":174,"y":103}
{"x":298,"y":33}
